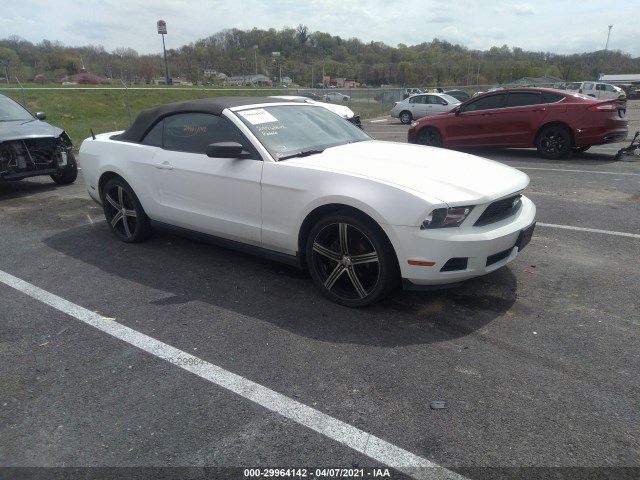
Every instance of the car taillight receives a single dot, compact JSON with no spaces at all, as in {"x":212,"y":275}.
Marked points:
{"x":603,"y":107}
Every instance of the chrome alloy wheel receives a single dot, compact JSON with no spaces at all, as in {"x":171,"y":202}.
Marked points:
{"x":350,"y":259}
{"x":123,"y":216}
{"x":347,"y":261}
{"x":123,"y":211}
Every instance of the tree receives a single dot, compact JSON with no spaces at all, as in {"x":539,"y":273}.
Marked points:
{"x":10,"y":65}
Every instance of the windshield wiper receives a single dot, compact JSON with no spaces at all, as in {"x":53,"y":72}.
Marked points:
{"x":304,"y":153}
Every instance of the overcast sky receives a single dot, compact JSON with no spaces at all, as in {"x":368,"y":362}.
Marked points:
{"x":556,"y":26}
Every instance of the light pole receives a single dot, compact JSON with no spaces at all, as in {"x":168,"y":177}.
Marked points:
{"x":608,"y":35}
{"x":162,"y":30}
{"x":255,"y":57}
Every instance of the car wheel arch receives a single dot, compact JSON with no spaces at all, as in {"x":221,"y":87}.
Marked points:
{"x":104,"y":178}
{"x":323,"y":211}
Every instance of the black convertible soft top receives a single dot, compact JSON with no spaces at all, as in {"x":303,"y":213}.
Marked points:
{"x":148,"y":118}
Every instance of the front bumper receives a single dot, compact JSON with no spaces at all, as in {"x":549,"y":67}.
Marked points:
{"x":452,"y":255}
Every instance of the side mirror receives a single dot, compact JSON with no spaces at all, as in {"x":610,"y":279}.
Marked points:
{"x":227,"y":150}
{"x":456,"y":111}
{"x":41,"y":116}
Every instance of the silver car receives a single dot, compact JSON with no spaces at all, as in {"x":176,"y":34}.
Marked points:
{"x":423,"y":105}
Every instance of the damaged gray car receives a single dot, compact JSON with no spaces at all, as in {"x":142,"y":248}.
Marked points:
{"x":29,"y":146}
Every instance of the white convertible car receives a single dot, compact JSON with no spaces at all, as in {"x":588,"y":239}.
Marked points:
{"x":296,"y":183}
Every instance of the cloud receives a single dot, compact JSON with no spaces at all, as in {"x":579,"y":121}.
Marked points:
{"x":524,"y":9}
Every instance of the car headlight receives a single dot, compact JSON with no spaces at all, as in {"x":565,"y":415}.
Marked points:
{"x":446,"y":217}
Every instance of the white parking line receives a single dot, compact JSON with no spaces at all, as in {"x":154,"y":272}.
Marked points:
{"x":592,"y":230}
{"x":348,"y":435}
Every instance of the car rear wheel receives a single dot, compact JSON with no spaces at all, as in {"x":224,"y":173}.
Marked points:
{"x":123,"y":212}
{"x":554,"y":141}
{"x":429,"y":136}
{"x":351,"y":260}
{"x":406,"y":117}
{"x":68,"y":174}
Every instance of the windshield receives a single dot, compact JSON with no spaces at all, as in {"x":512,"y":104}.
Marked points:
{"x":293,"y":130}
{"x":11,"y":111}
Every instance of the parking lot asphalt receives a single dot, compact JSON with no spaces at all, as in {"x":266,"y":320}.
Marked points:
{"x":173,"y":353}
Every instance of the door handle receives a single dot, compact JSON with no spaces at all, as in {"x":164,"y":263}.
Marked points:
{"x":539,"y":109}
{"x":164,"y":166}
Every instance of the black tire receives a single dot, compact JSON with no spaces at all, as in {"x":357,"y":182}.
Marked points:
{"x":125,"y":216}
{"x":429,"y":136}
{"x":554,"y":142}
{"x":68,"y":174}
{"x":405,"y":117}
{"x":350,"y":259}
{"x":581,"y":149}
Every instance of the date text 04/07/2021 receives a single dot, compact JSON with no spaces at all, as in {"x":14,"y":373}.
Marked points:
{"x":316,"y":473}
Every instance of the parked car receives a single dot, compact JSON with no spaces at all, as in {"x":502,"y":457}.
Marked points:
{"x":30,"y":147}
{"x":597,"y":90}
{"x":461,"y":95}
{"x":332,"y":96}
{"x":631,"y":91}
{"x":311,"y":95}
{"x":553,"y":121}
{"x":293,"y":182}
{"x":342,"y":110}
{"x":422,"y":105}
{"x":410,"y":91}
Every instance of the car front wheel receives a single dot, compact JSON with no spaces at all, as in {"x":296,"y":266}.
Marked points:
{"x":123,"y":212}
{"x":429,"y":136}
{"x":68,"y":174}
{"x":350,"y":260}
{"x":554,"y":142}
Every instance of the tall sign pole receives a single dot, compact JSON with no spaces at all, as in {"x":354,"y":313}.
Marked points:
{"x":606,"y":47}
{"x":162,"y":30}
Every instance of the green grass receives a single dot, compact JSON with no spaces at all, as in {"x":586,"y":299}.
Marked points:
{"x":77,"y":109}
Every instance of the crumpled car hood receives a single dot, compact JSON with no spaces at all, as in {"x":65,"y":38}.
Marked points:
{"x":27,"y":129}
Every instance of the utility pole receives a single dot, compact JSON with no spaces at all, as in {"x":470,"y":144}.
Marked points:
{"x":606,"y":47}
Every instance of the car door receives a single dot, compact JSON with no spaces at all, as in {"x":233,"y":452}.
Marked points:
{"x":472,"y":124}
{"x":418,"y":106}
{"x":216,"y":196}
{"x":436,"y":104}
{"x":521,"y":115}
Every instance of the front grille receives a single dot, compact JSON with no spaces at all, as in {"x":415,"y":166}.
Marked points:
{"x":499,"y":210}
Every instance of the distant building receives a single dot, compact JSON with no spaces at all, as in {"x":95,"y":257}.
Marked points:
{"x":544,"y":81}
{"x":624,"y":79}
{"x":248,"y":80}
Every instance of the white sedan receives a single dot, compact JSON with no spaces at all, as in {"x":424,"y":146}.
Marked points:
{"x":333,"y":96}
{"x":423,"y":105}
{"x":294,"y":182}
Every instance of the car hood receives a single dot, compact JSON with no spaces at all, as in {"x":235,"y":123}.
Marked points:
{"x":342,"y":110}
{"x":432,"y":173}
{"x":27,"y":129}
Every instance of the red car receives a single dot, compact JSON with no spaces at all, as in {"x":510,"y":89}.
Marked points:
{"x":553,"y":121}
